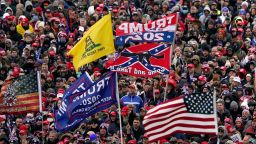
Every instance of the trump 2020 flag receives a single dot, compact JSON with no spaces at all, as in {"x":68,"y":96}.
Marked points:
{"x":96,"y":97}
{"x":79,"y":85}
{"x":142,"y":60}
{"x":97,"y":42}
{"x":192,"y":114}
{"x":160,"y":30}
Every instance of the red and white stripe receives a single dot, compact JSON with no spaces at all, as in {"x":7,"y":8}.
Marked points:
{"x":172,"y":117}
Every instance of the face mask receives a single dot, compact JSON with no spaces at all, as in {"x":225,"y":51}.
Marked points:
{"x":184,"y":10}
{"x":214,"y":16}
{"x":29,"y":8}
{"x":227,"y":101}
{"x":63,"y":40}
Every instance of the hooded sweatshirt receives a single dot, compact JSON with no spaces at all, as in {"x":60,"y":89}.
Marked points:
{"x":27,"y":3}
{"x":221,"y":140}
{"x":26,"y":12}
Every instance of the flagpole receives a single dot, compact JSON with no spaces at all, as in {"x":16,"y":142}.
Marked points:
{"x":119,"y":109}
{"x":171,"y":50}
{"x":166,"y":85}
{"x":215,"y":111}
{"x":40,"y":96}
{"x":39,"y":91}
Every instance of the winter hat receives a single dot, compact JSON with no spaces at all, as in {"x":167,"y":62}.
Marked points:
{"x":239,"y":119}
{"x":91,"y":10}
{"x":245,"y":3}
{"x":225,"y":9}
{"x":3,"y":2}
{"x":207,"y":8}
{"x":237,"y":79}
{"x":93,"y":137}
{"x":233,"y":105}
{"x":8,"y":8}
{"x":5,"y":15}
{"x":249,"y":75}
{"x":246,"y":111}
{"x":245,"y":104}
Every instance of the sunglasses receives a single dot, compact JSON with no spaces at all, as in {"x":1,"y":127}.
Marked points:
{"x":220,"y":130}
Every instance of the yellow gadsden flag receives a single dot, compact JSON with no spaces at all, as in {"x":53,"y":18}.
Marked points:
{"x":96,"y":43}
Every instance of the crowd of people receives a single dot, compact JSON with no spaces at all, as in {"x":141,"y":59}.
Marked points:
{"x":214,"y":48}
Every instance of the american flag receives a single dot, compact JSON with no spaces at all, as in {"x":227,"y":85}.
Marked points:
{"x":20,"y":95}
{"x":193,"y":114}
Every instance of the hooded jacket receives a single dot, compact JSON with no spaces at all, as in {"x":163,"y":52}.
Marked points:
{"x":27,"y":3}
{"x":222,"y":139}
{"x":26,"y":12}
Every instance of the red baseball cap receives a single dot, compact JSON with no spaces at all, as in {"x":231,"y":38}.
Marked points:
{"x":96,"y":69}
{"x":115,"y":10}
{"x":202,"y":78}
{"x":52,"y":53}
{"x":132,"y":142}
{"x":24,"y":20}
{"x":22,"y":132}
{"x":23,"y":127}
{"x":125,"y":111}
{"x":145,"y":136}
{"x":113,"y":113}
{"x":39,"y":9}
{"x":223,"y":68}
{"x":35,"y":44}
{"x":181,"y":29}
{"x":157,"y":91}
{"x":46,"y":122}
{"x":96,"y":74}
{"x":172,"y":82}
{"x":191,"y":65}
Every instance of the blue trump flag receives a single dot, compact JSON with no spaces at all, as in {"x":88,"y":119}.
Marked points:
{"x":98,"y":96}
{"x":79,"y":85}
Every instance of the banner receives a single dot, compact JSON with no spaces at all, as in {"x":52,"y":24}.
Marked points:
{"x":79,"y":85}
{"x":161,"y":30}
{"x":20,"y":95}
{"x":97,"y":97}
{"x":97,"y":42}
{"x":145,"y":60}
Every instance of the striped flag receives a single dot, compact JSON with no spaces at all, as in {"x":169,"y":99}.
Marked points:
{"x":193,"y":114}
{"x":20,"y":95}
